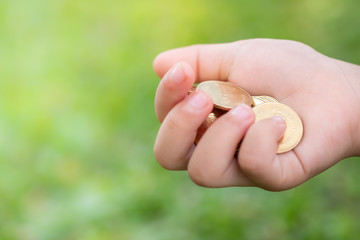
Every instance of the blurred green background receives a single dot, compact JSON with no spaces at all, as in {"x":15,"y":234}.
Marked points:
{"x":77,"y":122}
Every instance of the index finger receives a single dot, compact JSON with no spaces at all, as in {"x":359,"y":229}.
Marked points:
{"x":209,"y":61}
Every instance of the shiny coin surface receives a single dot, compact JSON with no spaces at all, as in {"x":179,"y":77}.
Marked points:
{"x":294,"y":127}
{"x":263,"y":99}
{"x":225,"y":95}
{"x":215,"y":114}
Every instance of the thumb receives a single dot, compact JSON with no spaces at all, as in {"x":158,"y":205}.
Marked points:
{"x":259,"y":160}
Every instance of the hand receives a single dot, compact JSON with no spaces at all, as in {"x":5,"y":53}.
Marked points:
{"x":324,"y":92}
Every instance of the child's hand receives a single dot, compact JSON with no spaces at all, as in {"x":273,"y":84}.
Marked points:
{"x":324,"y":92}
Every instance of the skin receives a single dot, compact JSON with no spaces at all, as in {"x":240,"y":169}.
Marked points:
{"x":325,"y":92}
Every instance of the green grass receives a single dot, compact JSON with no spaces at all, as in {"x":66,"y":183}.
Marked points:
{"x":77,"y":123}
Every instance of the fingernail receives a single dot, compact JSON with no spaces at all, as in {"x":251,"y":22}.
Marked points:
{"x":197,"y":100}
{"x":241,"y":111}
{"x":176,"y":73}
{"x":279,"y":120}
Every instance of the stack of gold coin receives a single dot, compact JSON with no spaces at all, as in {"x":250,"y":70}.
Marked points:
{"x":226,"y":96}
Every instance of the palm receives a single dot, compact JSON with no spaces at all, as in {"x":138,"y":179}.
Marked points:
{"x":297,"y":78}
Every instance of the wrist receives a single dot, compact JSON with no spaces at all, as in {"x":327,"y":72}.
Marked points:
{"x":354,"y":82}
{"x":357,"y":130}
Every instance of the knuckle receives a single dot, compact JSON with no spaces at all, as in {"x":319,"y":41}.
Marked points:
{"x":159,"y":114}
{"x":248,"y":162}
{"x":270,"y":181}
{"x":173,"y":124}
{"x":168,"y":86}
{"x":203,"y":178}
{"x":300,"y":46}
{"x":158,"y":156}
{"x":277,"y":185}
{"x":166,"y":161}
{"x":161,"y":159}
{"x":164,"y":164}
{"x":180,"y":120}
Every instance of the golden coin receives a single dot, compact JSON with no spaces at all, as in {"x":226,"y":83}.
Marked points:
{"x":263,"y":99}
{"x":211,"y":118}
{"x":270,"y":99}
{"x":294,"y":127}
{"x":258,"y":100}
{"x":225,"y":95}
